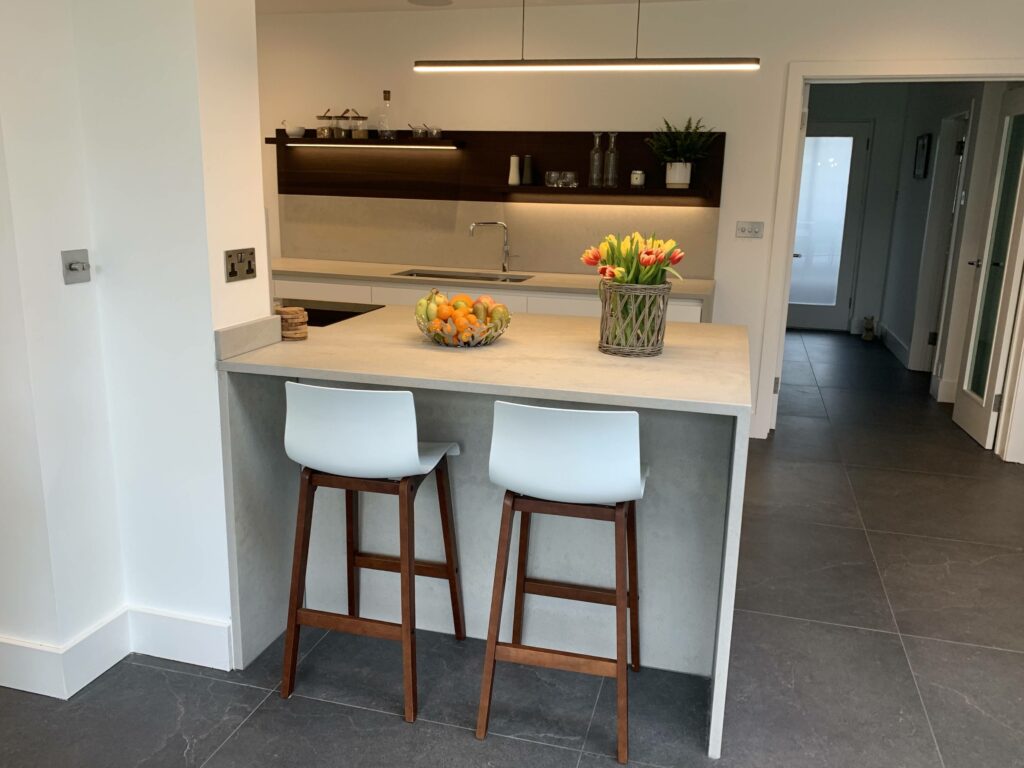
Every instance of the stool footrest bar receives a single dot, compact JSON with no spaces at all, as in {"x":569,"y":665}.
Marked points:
{"x":568,"y":591}
{"x":543,"y":657}
{"x":391,"y":563}
{"x":351,"y":624}
{"x":565,"y":509}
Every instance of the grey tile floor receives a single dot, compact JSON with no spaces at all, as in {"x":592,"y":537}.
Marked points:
{"x":879,"y":622}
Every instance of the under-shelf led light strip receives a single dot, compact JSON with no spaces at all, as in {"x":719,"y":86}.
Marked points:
{"x":636,"y":64}
{"x":377,"y":146}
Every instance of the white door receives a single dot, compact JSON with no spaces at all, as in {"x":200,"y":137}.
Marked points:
{"x":828,"y":225}
{"x":996,"y":288}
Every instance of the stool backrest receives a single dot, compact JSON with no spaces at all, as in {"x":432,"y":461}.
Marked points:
{"x":352,"y":432}
{"x":584,"y":457}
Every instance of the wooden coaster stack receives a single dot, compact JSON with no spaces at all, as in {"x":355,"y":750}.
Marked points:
{"x":293,"y":323}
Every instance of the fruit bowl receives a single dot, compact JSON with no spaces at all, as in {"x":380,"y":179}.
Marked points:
{"x":461,"y":321}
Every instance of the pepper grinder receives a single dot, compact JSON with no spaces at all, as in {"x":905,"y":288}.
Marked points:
{"x":596,"y":176}
{"x":527,"y":170}
{"x":513,"y":171}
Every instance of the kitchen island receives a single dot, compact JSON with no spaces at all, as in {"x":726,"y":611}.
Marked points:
{"x":694,"y":405}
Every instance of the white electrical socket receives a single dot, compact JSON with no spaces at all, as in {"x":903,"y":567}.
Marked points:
{"x":753,"y":229}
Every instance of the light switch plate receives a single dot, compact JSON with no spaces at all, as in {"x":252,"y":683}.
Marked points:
{"x":240,"y":264}
{"x":75,"y":266}
{"x":753,"y":229}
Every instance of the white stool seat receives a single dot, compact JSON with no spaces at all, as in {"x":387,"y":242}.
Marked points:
{"x":572,"y":456}
{"x":357,"y":432}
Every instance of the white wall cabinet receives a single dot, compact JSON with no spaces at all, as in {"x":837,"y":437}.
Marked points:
{"x":539,"y":303}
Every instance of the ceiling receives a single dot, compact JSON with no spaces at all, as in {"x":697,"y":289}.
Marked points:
{"x":332,"y":6}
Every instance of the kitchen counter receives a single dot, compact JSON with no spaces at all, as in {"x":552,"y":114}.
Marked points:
{"x":560,"y":282}
{"x":694,"y":405}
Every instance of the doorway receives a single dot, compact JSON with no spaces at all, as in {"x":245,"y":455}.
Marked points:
{"x":996,"y":286}
{"x":830,"y":214}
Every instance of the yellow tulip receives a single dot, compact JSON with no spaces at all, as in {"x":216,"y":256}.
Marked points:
{"x":625,"y":244}
{"x":603,"y":247}
{"x":668,"y":246}
{"x":612,"y":239}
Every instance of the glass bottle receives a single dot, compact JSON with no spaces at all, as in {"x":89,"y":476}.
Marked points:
{"x":384,"y":129}
{"x":596,"y":177}
{"x":611,"y":163}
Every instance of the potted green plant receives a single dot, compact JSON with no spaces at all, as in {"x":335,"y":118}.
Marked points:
{"x":679,"y":148}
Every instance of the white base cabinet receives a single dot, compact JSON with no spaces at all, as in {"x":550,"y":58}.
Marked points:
{"x":534,"y":302}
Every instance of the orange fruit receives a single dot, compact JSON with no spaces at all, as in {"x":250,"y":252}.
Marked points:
{"x":472,"y":319}
{"x":461,"y":322}
{"x":461,"y":298}
{"x":466,"y":336}
{"x":434,"y":326}
{"x":444,"y":311}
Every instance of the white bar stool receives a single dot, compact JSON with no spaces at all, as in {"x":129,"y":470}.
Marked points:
{"x":365,"y":440}
{"x":583,"y":464}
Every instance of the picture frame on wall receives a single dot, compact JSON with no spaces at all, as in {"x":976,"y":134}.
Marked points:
{"x":924,"y":147}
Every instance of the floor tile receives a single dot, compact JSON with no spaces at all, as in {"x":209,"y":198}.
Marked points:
{"x":846,"y":348}
{"x":816,"y":492}
{"x":794,"y":348}
{"x":801,"y":401}
{"x":302,"y":733}
{"x":130,"y":716}
{"x":799,"y":437}
{"x":667,"y":718}
{"x":542,"y":705}
{"x":811,"y":572}
{"x":798,"y":372}
{"x":263,"y":672}
{"x":897,"y":446}
{"x":981,"y":510}
{"x":918,"y":409}
{"x":952,"y":590}
{"x":858,"y":375}
{"x":975,"y":699}
{"x":806,"y":695}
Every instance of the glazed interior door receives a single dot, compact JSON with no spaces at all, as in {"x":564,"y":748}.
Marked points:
{"x":828,"y":225}
{"x":996,"y":288}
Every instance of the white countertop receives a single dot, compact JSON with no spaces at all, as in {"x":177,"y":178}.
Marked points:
{"x":686,"y":288}
{"x":705,"y":367}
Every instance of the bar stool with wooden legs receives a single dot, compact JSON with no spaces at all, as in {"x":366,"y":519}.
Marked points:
{"x":582,"y":464}
{"x":363,"y":440}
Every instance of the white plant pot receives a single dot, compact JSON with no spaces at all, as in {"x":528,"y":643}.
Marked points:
{"x":677,"y":175}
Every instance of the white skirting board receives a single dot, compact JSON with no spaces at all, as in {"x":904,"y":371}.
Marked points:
{"x":61,"y":671}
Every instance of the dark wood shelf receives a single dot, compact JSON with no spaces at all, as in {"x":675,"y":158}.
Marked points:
{"x":479,"y":171}
{"x":398,"y":143}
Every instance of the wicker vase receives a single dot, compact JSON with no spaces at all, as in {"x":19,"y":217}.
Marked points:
{"x":633,"y":318}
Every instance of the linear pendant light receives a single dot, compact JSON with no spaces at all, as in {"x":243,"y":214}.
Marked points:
{"x":635,"y":64}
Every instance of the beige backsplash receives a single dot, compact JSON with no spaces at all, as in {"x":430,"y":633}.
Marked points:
{"x":544,"y":237}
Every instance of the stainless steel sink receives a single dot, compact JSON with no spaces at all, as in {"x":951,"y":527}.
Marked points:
{"x":490,"y":277}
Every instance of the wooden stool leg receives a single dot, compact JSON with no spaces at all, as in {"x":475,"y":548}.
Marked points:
{"x":451,"y":551}
{"x":407,"y":576}
{"x":298,"y":587}
{"x":352,"y":547}
{"x":497,"y":598}
{"x":520,"y":604}
{"x":634,"y":587}
{"x":621,"y":597}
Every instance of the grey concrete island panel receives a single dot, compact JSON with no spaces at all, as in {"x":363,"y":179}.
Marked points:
{"x":694,"y":403}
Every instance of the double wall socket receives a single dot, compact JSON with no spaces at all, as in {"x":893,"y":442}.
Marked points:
{"x":754,"y":229}
{"x":240,"y":264}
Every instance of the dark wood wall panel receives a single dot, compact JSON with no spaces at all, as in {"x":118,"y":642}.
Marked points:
{"x":478,"y":169}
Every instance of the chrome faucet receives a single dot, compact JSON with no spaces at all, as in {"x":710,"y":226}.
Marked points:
{"x":504,"y":243}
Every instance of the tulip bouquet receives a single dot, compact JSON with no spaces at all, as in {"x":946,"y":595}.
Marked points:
{"x":634,"y":260}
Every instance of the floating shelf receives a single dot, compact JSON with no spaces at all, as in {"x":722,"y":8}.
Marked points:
{"x":479,"y":170}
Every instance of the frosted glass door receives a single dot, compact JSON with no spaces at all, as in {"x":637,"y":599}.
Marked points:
{"x":821,"y":220}
{"x":828,"y":225}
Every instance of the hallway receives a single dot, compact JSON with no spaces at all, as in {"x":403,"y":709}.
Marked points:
{"x":893,"y":545}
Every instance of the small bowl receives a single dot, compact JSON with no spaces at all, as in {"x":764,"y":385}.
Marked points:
{"x":419,"y":132}
{"x":434,"y":132}
{"x":295,"y":133}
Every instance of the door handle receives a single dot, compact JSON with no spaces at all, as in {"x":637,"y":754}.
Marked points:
{"x":975,"y":263}
{"x":798,"y":255}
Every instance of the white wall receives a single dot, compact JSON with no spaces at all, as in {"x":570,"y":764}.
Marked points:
{"x":927,"y":105}
{"x":65,"y":548}
{"x":229,"y":119}
{"x":378,"y":50}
